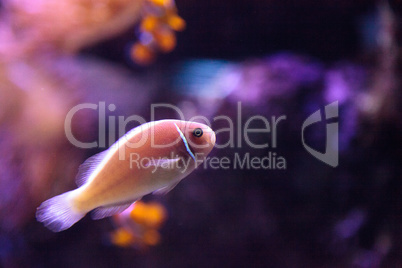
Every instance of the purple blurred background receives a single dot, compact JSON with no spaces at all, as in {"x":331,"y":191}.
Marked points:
{"x":276,"y":58}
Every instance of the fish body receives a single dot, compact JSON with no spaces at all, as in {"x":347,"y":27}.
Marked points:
{"x":153,"y":157}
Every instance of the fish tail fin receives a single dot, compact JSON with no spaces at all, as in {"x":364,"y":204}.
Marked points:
{"x":57,"y":213}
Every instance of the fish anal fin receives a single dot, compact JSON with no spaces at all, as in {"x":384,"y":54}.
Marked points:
{"x":88,"y":167}
{"x":103,"y":212}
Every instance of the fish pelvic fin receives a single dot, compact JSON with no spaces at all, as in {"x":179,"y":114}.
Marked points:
{"x":57,"y":213}
{"x":103,"y":212}
{"x":166,"y":189}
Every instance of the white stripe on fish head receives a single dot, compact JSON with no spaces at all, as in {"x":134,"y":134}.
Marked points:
{"x":185,"y":142}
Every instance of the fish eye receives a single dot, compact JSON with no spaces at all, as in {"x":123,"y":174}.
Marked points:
{"x":198,"y":132}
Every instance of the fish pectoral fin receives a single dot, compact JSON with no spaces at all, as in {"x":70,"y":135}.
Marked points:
{"x":165,"y":163}
{"x":103,"y":212}
{"x":166,"y":189}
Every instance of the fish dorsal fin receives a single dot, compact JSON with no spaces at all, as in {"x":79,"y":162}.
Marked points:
{"x":166,"y":189}
{"x":88,"y":167}
{"x":103,"y":212}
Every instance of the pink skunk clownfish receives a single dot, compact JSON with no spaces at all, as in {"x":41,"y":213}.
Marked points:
{"x":153,"y":157}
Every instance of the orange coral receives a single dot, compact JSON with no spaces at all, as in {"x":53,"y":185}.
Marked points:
{"x":151,"y":215}
{"x":176,"y":22}
{"x":161,"y":2}
{"x":139,"y":225}
{"x":122,"y":238}
{"x":166,"y":40}
{"x":157,"y":30}
{"x":142,"y":54}
{"x":151,"y":237}
{"x":149,"y":23}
